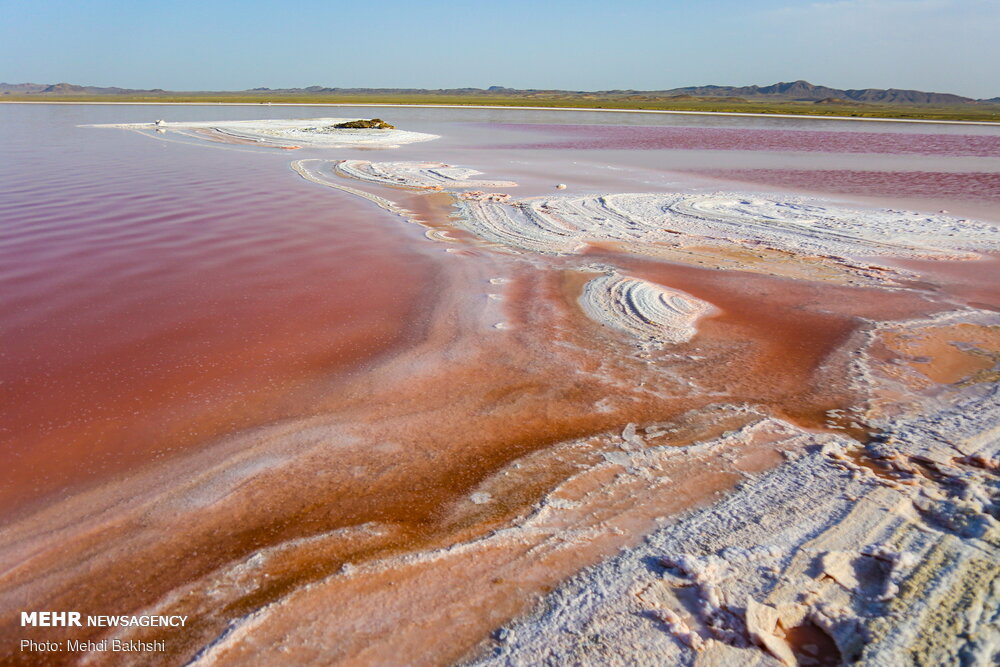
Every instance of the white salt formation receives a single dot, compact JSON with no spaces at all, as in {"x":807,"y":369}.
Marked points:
{"x":645,"y":310}
{"x":434,"y":175}
{"x":790,"y":224}
{"x":287,"y":133}
{"x":789,"y":235}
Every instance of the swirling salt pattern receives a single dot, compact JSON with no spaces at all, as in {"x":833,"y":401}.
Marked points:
{"x":803,"y":225}
{"x":436,"y":175}
{"x":795,"y":224}
{"x":645,"y":310}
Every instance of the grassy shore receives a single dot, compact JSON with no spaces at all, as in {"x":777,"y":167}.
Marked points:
{"x":966,"y":112}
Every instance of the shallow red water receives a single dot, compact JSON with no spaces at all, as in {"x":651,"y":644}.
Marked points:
{"x":155,"y":296}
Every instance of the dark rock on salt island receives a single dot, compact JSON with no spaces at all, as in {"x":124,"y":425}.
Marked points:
{"x":373,"y":124}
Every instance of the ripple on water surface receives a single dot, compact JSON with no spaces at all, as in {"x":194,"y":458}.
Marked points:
{"x":155,"y":295}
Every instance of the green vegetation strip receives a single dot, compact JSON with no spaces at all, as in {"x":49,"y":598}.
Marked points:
{"x":970,"y":112}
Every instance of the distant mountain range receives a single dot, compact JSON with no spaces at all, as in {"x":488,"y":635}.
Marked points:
{"x":785,"y":91}
{"x":805,"y":91}
{"x":68,"y":89}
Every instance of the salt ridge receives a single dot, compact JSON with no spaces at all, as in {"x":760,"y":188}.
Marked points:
{"x":645,"y":310}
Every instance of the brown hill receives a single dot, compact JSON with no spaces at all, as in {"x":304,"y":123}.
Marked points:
{"x":805,"y":91}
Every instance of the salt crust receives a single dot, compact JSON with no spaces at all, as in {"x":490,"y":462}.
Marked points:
{"x":434,"y":175}
{"x":281,"y":133}
{"x":788,"y":223}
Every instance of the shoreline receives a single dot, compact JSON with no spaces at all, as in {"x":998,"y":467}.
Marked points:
{"x":524,"y":108}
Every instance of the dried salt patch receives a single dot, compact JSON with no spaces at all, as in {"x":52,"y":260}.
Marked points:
{"x":807,"y":225}
{"x":789,"y":223}
{"x":436,"y":175}
{"x":480,"y":498}
{"x":501,"y":325}
{"x":643,"y":309}
{"x":276,"y":132}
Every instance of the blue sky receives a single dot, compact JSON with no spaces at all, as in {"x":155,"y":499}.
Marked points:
{"x":939,"y":45}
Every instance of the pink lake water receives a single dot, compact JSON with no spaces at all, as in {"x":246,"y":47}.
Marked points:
{"x":159,"y":294}
{"x":206,"y":358}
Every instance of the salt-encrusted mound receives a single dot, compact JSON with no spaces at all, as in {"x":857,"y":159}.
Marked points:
{"x":284,"y":133}
{"x":792,"y":224}
{"x":436,"y":175}
{"x":643,"y":309}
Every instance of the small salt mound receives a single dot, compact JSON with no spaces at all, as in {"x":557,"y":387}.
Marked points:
{"x":645,"y":310}
{"x":435,"y":175}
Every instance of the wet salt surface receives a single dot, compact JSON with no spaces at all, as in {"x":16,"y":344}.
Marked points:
{"x":202,"y":291}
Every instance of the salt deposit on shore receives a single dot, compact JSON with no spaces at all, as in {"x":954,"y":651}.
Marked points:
{"x":719,"y":224}
{"x":879,"y":554}
{"x":783,"y":235}
{"x":294,"y":133}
